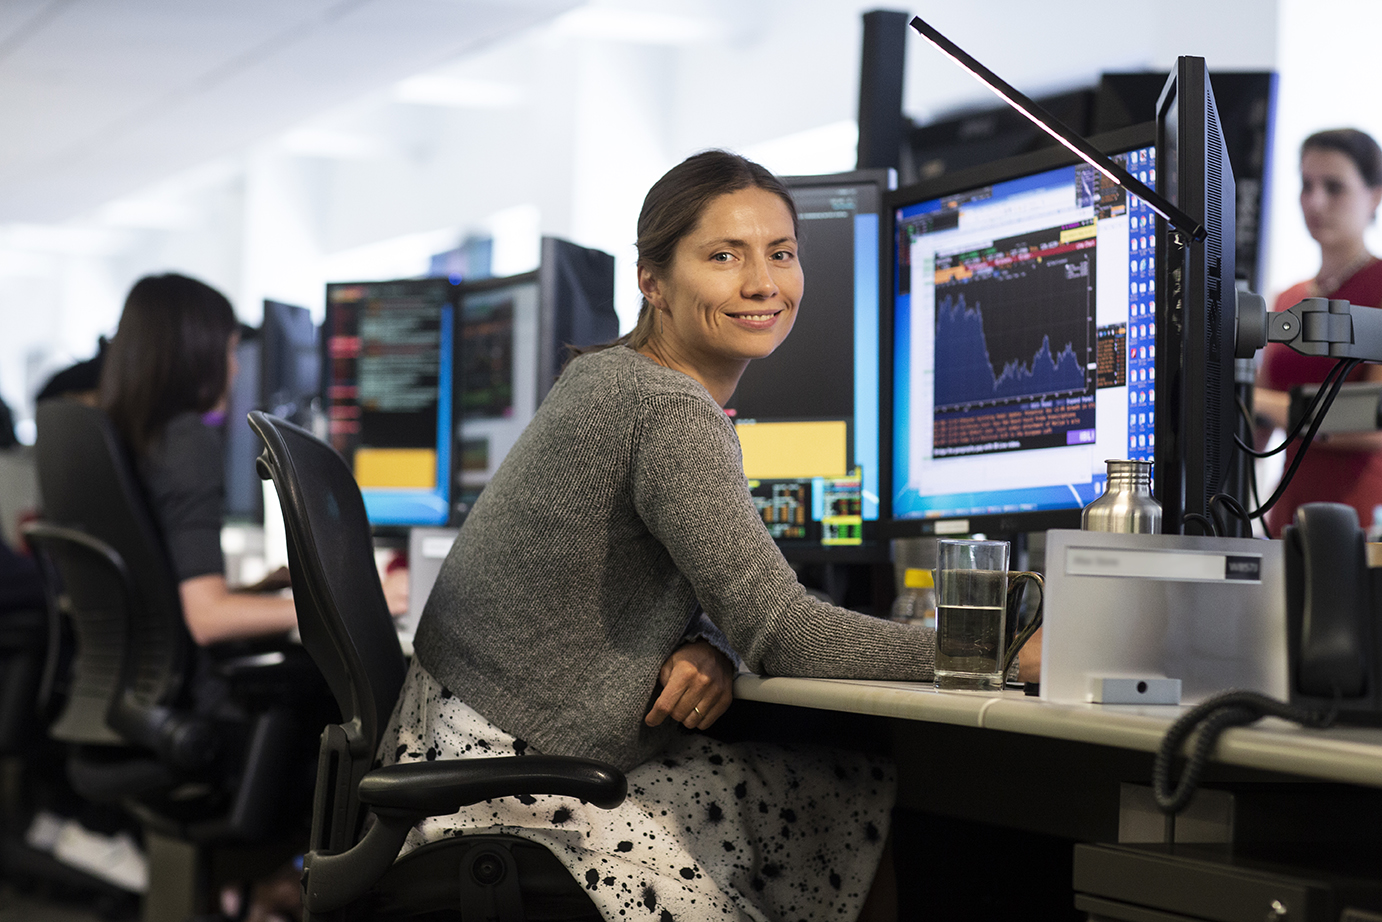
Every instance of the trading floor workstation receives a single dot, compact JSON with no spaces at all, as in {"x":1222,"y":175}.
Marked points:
{"x":974,"y":349}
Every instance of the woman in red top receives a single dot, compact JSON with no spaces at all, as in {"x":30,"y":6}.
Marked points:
{"x":1341,"y":188}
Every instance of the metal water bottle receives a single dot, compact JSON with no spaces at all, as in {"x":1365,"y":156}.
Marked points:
{"x":1127,"y":504}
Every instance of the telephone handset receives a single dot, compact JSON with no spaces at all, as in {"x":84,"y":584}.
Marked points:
{"x":1329,"y":610}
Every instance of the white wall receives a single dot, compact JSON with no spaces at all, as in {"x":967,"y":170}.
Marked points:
{"x":1329,"y":79}
{"x":561,"y":131}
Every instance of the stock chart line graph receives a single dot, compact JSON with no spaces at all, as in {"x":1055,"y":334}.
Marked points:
{"x":1022,"y":332}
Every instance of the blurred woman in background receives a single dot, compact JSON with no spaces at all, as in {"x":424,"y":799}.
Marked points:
{"x":1341,"y":188}
{"x":164,"y":384}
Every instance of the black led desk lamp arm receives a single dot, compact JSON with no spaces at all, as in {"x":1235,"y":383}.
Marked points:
{"x":1048,"y":123}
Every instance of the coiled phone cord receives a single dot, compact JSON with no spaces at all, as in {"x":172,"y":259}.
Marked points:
{"x":1211,"y":718}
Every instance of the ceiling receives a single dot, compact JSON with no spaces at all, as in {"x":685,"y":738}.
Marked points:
{"x":99,"y":98}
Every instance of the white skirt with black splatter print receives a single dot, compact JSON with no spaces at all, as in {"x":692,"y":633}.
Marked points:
{"x":710,"y":831}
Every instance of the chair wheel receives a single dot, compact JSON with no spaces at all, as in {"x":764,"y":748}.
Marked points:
{"x":487,"y":869}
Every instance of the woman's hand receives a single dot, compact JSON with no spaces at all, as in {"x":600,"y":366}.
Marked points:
{"x":697,"y":687}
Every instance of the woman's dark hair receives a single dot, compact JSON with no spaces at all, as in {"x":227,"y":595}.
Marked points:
{"x":1356,"y":145}
{"x":168,"y":356}
{"x":674,"y":205}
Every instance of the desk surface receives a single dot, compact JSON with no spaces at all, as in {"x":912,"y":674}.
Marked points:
{"x":1346,"y":754}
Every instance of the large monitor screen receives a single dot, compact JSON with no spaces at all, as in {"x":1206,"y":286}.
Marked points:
{"x":1023,"y":340}
{"x":389,"y":390}
{"x":808,"y":415}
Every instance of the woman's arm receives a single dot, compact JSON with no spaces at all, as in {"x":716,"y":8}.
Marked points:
{"x":689,"y":490}
{"x":213,"y":613}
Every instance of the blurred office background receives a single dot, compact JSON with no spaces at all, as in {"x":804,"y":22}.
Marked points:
{"x":269,"y":148}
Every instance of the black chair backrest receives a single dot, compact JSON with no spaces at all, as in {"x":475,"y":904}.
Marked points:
{"x":342,"y":616}
{"x":133,"y":653}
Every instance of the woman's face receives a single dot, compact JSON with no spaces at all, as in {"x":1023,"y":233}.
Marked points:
{"x":1337,"y":204}
{"x":734,"y":284}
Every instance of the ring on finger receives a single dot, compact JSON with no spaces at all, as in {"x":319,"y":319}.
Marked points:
{"x":696,"y":709}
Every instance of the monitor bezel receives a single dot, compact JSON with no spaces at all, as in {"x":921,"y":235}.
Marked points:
{"x":1049,"y":158}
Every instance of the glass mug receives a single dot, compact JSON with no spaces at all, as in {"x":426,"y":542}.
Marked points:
{"x":977,"y":602}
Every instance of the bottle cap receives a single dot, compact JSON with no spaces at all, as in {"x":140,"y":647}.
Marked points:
{"x":916,"y":578}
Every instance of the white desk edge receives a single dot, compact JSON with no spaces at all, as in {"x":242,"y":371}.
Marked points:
{"x":1346,"y":754}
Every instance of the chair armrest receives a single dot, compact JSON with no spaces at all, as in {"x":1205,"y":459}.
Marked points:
{"x":442,"y":787}
{"x":401,"y":795}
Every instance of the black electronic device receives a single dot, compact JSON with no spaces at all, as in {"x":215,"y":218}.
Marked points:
{"x":1332,"y":604}
{"x":244,"y":494}
{"x":1191,"y":882}
{"x":808,"y":415}
{"x":1195,"y":300}
{"x":289,"y":363}
{"x":513,"y":336}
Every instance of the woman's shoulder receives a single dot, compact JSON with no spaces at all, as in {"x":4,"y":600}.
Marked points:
{"x":186,"y":447}
{"x":632,"y":374}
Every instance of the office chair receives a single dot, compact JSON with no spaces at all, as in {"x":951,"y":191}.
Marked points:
{"x":200,"y":778}
{"x":353,"y":871}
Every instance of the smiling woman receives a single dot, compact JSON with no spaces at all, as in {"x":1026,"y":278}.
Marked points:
{"x":731,"y":293}
{"x":614,"y":568}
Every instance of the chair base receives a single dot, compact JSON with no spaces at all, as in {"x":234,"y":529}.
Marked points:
{"x":428,"y":884}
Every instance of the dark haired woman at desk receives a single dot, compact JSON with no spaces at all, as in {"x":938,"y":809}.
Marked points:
{"x":1341,"y":188}
{"x":565,"y":619}
{"x":164,"y":384}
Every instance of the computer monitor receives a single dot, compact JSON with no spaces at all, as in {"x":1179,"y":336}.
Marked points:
{"x":499,"y":394}
{"x":289,"y":363}
{"x":1023,"y":340}
{"x":513,"y":338}
{"x":388,"y":373}
{"x":808,"y":415}
{"x":1197,"y":305}
{"x":244,"y":491}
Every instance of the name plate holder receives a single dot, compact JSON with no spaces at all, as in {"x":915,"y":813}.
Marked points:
{"x":1161,"y":619}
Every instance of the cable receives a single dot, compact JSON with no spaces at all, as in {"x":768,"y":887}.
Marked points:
{"x":1211,"y":718}
{"x":1252,"y":468}
{"x":1228,"y":501}
{"x":1349,"y":365}
{"x":1307,"y":417}
{"x":1207,"y":526}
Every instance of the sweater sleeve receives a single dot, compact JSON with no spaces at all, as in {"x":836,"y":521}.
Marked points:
{"x":689,"y":489}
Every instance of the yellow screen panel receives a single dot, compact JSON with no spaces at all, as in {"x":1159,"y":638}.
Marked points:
{"x":414,"y":468}
{"x":793,"y":450}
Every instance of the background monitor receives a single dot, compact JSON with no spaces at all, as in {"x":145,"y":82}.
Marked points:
{"x":808,"y":415}
{"x":498,"y":368}
{"x":289,"y":363}
{"x":244,"y":497}
{"x":1023,"y":340}
{"x":388,"y":375}
{"x":513,"y":336}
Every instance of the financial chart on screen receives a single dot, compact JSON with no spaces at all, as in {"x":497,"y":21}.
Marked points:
{"x":1024,"y":341}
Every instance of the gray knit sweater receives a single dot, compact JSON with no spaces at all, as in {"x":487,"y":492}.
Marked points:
{"x":622,"y":505}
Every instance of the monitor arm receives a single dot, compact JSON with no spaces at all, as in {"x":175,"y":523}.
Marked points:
{"x":1315,"y":326}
